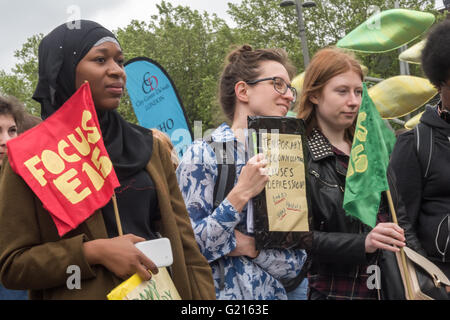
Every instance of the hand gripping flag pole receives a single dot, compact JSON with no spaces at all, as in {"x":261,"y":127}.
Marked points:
{"x":366,"y":174}
{"x":402,"y":252}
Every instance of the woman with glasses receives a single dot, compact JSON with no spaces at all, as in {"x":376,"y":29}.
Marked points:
{"x":253,"y":83}
{"x":343,"y":248}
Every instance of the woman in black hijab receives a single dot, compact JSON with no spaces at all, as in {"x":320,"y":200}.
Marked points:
{"x":149,"y":199}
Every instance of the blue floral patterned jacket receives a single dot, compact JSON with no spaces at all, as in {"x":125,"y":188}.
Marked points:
{"x":244,"y":278}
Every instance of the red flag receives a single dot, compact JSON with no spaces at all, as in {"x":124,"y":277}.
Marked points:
{"x":64,"y":161}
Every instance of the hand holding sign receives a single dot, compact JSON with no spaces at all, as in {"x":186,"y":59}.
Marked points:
{"x":252,"y":180}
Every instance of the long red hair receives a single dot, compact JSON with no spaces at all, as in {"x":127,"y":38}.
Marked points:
{"x":326,"y":64}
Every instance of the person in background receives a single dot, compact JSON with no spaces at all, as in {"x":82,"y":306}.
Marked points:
{"x":29,"y":121}
{"x":12,"y":114}
{"x":423,"y":172}
{"x":253,"y":82}
{"x":165,"y":140}
{"x":343,"y":247}
{"x":32,"y":254}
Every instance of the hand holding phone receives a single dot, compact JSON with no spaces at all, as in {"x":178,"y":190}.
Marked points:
{"x":157,"y":250}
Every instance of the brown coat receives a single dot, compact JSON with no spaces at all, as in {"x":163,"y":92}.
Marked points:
{"x":34,"y":257}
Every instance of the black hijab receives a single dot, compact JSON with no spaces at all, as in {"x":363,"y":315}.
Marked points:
{"x":129,"y":146}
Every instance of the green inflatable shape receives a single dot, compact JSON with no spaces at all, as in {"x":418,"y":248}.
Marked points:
{"x":291,"y":114}
{"x":387,"y":30}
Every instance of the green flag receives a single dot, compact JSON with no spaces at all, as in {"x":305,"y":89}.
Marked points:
{"x":369,"y":158}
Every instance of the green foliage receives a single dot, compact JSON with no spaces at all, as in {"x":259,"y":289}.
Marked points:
{"x":22,"y":82}
{"x":264,"y":23}
{"x":192,"y":46}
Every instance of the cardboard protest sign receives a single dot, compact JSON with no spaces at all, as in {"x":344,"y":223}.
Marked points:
{"x":287,"y":208}
{"x":280,"y":212}
{"x":64,"y":161}
{"x":159,"y":287}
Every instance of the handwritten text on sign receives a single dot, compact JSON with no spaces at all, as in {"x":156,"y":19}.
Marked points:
{"x":54,"y":164}
{"x":285,"y":192}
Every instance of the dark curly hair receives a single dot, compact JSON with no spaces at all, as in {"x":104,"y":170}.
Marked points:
{"x":436,"y":54}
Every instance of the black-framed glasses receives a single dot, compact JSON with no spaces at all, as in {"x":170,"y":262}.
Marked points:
{"x":279,"y":85}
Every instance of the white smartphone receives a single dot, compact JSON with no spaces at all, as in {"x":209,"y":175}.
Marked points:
{"x":157,"y":250}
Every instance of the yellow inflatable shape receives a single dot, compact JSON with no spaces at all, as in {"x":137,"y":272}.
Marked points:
{"x":400,"y":95}
{"x":297,"y":83}
{"x":413,"y":54}
{"x":365,"y":70}
{"x":414,"y":121}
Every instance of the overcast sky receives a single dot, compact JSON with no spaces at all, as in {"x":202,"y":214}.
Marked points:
{"x":21,"y":19}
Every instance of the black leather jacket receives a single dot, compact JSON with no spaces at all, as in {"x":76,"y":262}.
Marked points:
{"x":338,"y":240}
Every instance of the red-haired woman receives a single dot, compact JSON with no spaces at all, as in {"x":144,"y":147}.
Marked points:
{"x":342,"y":247}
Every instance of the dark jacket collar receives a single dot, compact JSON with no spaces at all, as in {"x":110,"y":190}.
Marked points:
{"x":319,"y":146}
{"x":431,"y":118}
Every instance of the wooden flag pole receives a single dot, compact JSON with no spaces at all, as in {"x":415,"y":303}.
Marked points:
{"x":116,"y":208}
{"x":402,"y":252}
{"x":116,"y":211}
